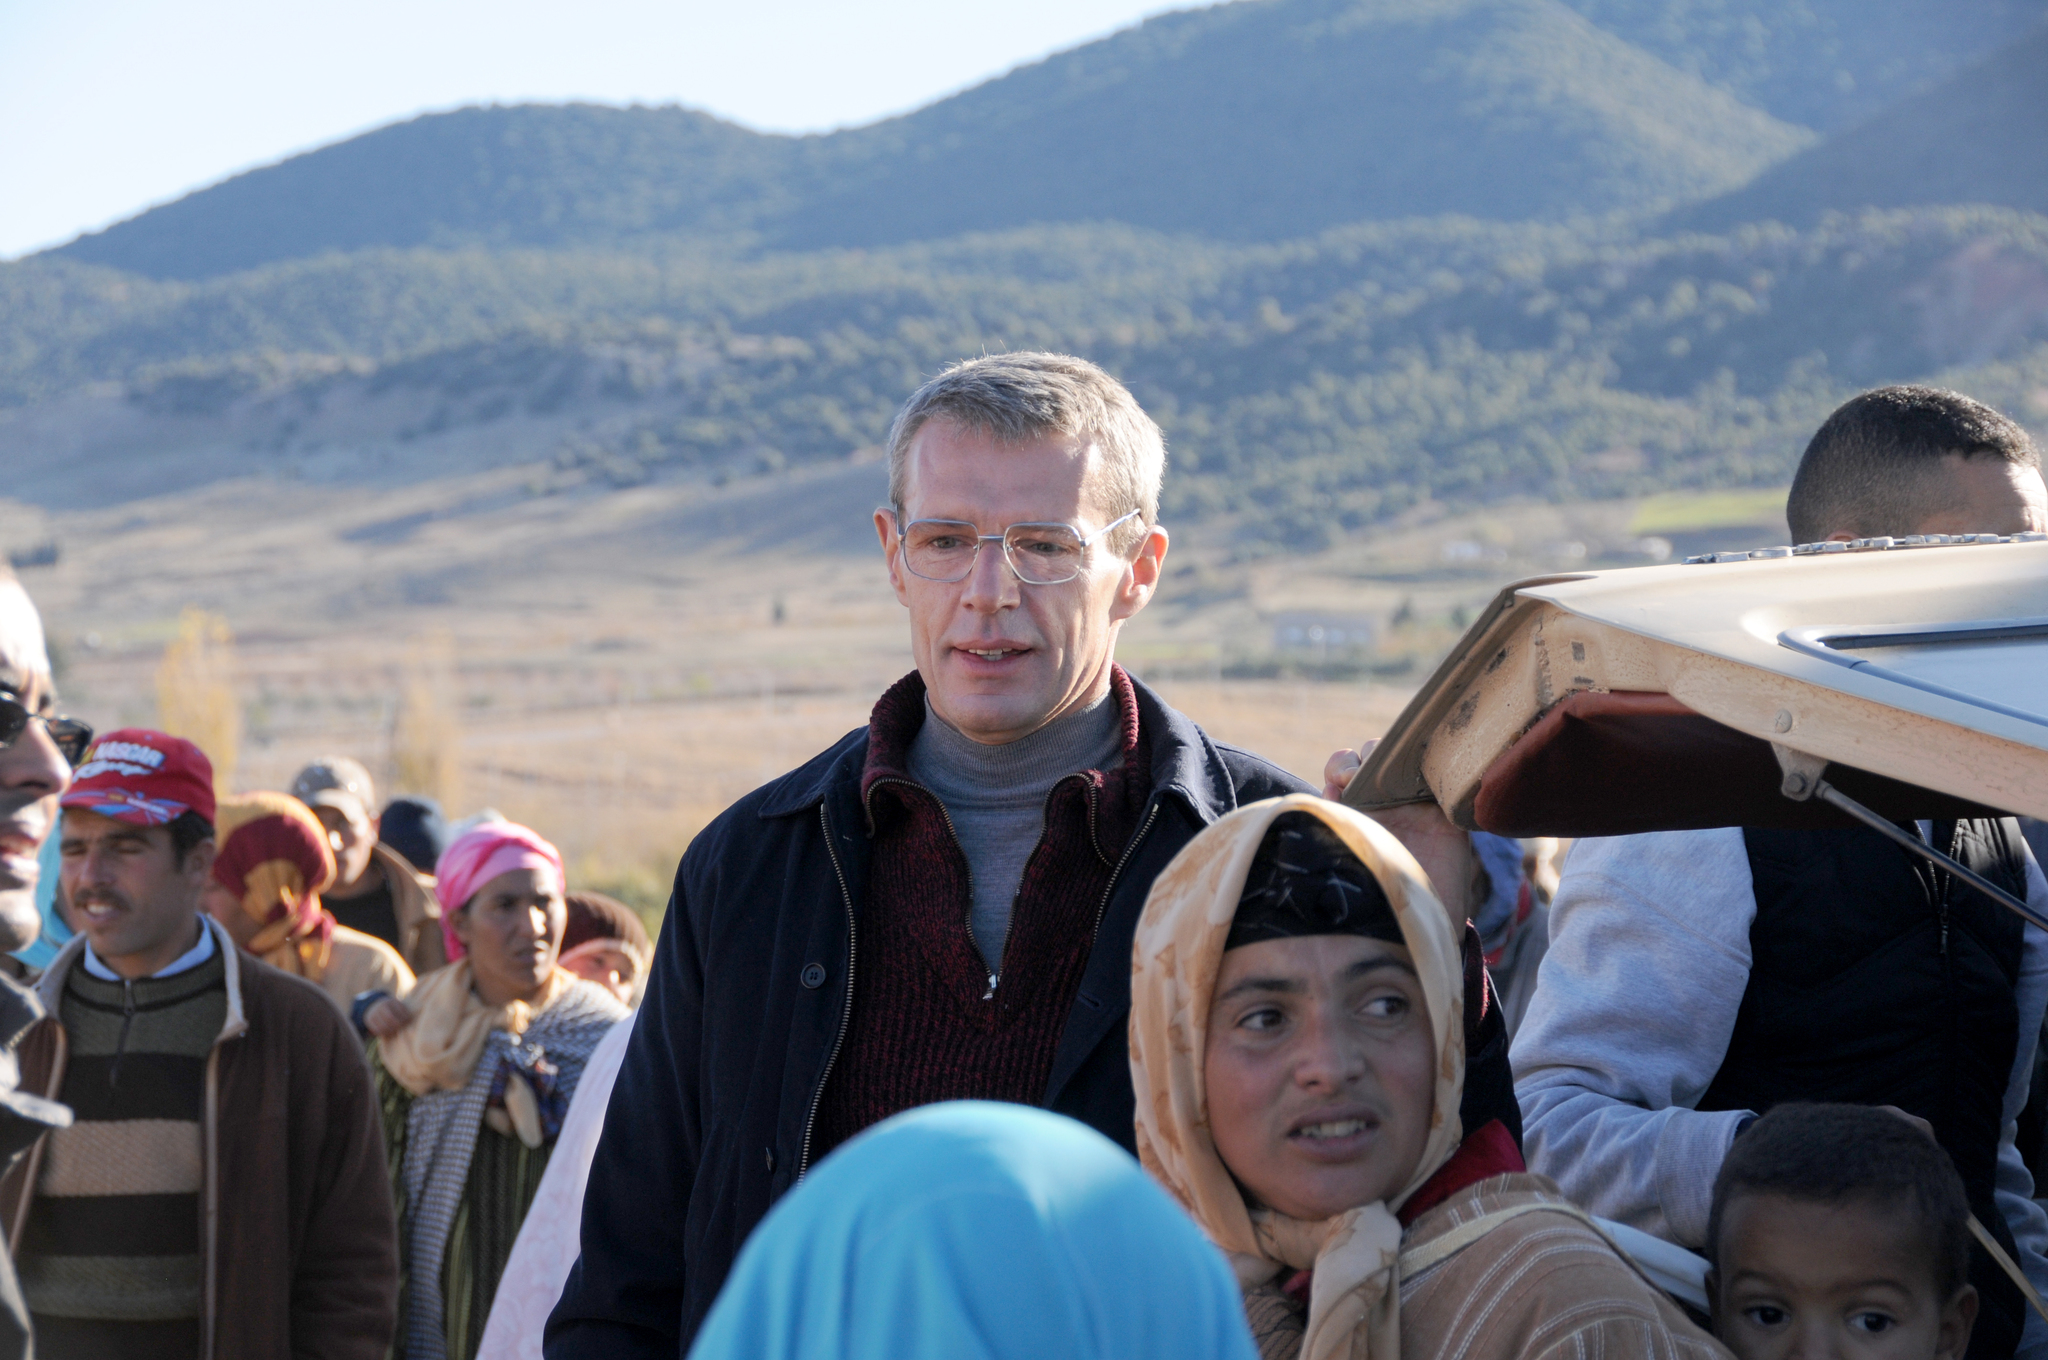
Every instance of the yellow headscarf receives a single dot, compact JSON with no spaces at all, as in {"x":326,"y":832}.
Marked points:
{"x":1355,"y":1297}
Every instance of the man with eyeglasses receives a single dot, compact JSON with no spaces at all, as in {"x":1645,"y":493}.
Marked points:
{"x":941,"y":905}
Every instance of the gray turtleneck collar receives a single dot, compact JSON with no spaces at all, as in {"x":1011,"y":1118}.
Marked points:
{"x":996,"y":796}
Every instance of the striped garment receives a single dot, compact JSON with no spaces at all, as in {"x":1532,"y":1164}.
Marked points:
{"x":110,"y":1261}
{"x":1538,"y":1286}
{"x":462,"y":1188}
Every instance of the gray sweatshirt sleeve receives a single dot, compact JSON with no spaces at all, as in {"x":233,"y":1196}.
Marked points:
{"x":1634,"y":1006}
{"x":2015,"y":1192}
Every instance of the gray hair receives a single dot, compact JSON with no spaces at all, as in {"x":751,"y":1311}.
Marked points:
{"x":1017,"y":398}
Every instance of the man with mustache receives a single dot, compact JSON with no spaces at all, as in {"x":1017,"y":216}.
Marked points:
{"x":36,"y":750}
{"x":222,"y":1191}
{"x":941,"y":905}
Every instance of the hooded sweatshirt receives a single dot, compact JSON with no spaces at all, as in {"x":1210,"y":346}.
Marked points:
{"x":973,"y":1230}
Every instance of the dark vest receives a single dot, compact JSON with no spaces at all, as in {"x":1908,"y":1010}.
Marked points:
{"x":1877,"y":980}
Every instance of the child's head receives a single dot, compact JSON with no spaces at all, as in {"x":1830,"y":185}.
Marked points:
{"x":1839,"y":1230}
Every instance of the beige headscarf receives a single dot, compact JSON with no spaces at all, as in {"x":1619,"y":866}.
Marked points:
{"x":1355,"y":1297}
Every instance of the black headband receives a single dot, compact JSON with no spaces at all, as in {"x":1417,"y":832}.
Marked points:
{"x":1305,"y":881}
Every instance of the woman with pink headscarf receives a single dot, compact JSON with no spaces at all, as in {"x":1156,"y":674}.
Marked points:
{"x":476,"y":1069}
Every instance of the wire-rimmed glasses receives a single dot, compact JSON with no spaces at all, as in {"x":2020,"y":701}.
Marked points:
{"x":946,"y":550}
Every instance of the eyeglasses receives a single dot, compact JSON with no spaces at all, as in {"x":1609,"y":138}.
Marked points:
{"x":70,"y":735}
{"x":1039,"y":554}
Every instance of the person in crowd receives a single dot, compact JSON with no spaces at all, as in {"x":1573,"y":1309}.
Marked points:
{"x":972,"y":1230}
{"x":375,"y":890}
{"x":547,"y":1243}
{"x":940,"y":905}
{"x":1299,"y":1057}
{"x":415,"y":828}
{"x":476,"y":1069}
{"x":605,"y":943}
{"x":1840,"y":1230}
{"x":38,"y":747}
{"x":1695,"y":979}
{"x":222,"y":1191}
{"x":272,"y":864}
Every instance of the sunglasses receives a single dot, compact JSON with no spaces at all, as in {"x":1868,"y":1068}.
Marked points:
{"x":70,"y":735}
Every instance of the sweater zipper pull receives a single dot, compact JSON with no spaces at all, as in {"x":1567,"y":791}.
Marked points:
{"x":121,"y":1044}
{"x":990,"y":994}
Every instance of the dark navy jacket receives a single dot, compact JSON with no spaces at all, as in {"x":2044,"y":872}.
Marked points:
{"x":747,"y":1002}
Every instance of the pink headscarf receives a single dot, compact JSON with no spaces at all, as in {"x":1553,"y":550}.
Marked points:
{"x":480,"y":855}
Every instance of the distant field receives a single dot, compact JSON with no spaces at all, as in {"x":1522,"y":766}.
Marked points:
{"x":1687,"y":511}
{"x":616,"y":669}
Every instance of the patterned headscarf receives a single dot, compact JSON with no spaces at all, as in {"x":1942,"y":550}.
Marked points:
{"x":274,"y":858}
{"x":1355,"y":1296}
{"x":479,"y":855}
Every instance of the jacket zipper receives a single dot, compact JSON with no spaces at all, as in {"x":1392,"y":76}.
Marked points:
{"x":1102,"y":907}
{"x":954,"y":832}
{"x":803,"y":1161}
{"x":121,"y":1044}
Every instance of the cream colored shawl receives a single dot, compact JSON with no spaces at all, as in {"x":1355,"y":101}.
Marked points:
{"x":1355,"y":1298}
{"x":439,"y":1050}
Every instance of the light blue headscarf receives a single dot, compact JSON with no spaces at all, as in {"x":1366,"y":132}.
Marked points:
{"x":40,"y":952}
{"x":974,"y":1230}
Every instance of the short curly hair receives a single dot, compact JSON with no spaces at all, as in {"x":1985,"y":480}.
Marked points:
{"x":1834,"y":1154}
{"x":1874,"y":469}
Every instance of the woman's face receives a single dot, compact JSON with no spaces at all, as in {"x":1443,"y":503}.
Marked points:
{"x":1321,"y":1072}
{"x":512,"y":928}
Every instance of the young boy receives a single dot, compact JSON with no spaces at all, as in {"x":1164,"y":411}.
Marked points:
{"x":1839,"y":1230}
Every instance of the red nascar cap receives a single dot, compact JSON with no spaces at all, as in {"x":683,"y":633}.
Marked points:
{"x":144,"y":777}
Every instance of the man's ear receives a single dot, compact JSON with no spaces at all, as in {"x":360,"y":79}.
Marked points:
{"x":1957,"y":1319}
{"x":198,"y":865}
{"x":1141,"y":576}
{"x":892,"y":545}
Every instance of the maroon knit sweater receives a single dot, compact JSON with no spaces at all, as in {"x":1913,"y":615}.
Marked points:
{"x":925,"y":1025}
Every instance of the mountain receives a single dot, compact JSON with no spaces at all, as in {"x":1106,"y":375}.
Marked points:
{"x":1308,"y":389}
{"x":1824,"y":64}
{"x":1361,"y":258}
{"x":1979,"y":137}
{"x":1260,"y":120}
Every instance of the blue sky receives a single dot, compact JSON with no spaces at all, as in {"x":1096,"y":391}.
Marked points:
{"x":109,"y":107}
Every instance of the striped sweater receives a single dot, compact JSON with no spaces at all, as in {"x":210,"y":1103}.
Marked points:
{"x":110,"y":1261}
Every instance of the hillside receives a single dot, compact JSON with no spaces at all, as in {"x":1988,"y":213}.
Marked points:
{"x":1979,"y":137}
{"x":505,"y":305}
{"x":1825,"y":64}
{"x":1308,"y":389}
{"x":1263,"y":120}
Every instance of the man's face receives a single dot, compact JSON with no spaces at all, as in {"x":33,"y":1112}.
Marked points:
{"x":1997,"y":498}
{"x":129,"y":892}
{"x":32,"y":770}
{"x":353,"y":838}
{"x":1001,"y":658}
{"x":1986,"y":495}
